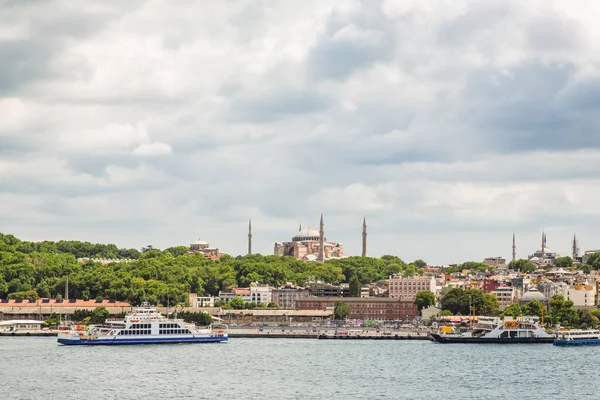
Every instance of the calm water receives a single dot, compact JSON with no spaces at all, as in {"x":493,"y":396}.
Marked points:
{"x":38,"y":368}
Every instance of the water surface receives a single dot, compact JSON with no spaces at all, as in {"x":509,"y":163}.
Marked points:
{"x":38,"y":368}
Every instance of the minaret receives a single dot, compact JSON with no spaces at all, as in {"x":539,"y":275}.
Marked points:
{"x":321,"y":240}
{"x":364,"y":238}
{"x":543,"y":244}
{"x":575,"y":249}
{"x":300,"y":227}
{"x":67,"y":289}
{"x":249,"y":236}
{"x":514,"y":248}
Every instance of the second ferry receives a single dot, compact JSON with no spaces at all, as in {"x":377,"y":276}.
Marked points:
{"x":494,"y":330}
{"x":143,"y":326}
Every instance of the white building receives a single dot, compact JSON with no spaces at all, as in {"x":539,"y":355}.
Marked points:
{"x":582,"y":295}
{"x":199,"y":302}
{"x":261,"y":293}
{"x":227,"y":295}
{"x":407,"y":288}
{"x":21,"y":325}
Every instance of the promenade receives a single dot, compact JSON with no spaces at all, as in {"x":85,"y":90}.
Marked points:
{"x":294,"y":332}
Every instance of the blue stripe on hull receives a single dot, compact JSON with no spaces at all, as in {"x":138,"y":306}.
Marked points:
{"x":140,"y":341}
{"x":582,"y":342}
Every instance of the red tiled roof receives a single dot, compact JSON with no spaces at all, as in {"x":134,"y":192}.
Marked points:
{"x":64,"y":303}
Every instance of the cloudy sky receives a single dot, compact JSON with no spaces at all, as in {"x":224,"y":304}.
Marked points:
{"x":448,"y":124}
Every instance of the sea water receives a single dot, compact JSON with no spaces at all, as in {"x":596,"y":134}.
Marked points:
{"x":39,"y":368}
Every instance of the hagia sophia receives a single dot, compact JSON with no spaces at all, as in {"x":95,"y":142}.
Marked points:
{"x":307,"y":245}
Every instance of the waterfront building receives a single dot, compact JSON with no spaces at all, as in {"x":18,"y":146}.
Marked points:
{"x":262,"y":315}
{"x":43,"y":308}
{"x":256,"y":293}
{"x":327,"y":290}
{"x":200,"y":246}
{"x":365,"y":308}
{"x":200,"y":301}
{"x":286,"y":296}
{"x":261,"y":293}
{"x":243,"y":293}
{"x":582,"y":296}
{"x":505,"y":295}
{"x":496,"y":262}
{"x":21,"y":325}
{"x":407,"y":288}
{"x":310,"y":245}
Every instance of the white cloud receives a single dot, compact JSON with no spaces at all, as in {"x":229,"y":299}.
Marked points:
{"x":152,"y":149}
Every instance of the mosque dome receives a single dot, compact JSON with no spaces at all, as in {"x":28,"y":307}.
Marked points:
{"x":306,"y":235}
{"x":533,"y":294}
{"x":200,"y":242}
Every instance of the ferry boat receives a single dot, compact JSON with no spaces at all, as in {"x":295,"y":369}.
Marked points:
{"x":494,"y":330}
{"x":143,"y":326}
{"x":577,"y":337}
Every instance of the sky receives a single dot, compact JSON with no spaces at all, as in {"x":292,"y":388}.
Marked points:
{"x":449,"y":125}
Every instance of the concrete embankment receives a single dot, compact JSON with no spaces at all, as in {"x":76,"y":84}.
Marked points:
{"x":29,"y":333}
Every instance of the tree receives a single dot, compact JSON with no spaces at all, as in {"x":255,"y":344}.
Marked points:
{"x":201,"y":318}
{"x":237,"y":303}
{"x":564,"y":262}
{"x":354,"y":287}
{"x":424,"y":299}
{"x":446,"y":313}
{"x":522,"y":265}
{"x":99,"y":315}
{"x":52,"y":320}
{"x":562,"y":311}
{"x":419,"y":263}
{"x":341,"y":310}
{"x":490,"y":305}
{"x":533,"y":308}
{"x":460,"y":301}
{"x":514,"y":310}
{"x":594,"y":261}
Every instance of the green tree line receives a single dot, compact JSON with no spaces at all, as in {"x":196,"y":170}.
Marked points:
{"x":31,"y":270}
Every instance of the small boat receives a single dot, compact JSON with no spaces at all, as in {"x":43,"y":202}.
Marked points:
{"x":143,"y":326}
{"x":577,"y":337}
{"x":494,"y":330}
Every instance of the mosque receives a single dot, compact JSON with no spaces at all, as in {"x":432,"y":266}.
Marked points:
{"x":311,"y":245}
{"x":543,"y":256}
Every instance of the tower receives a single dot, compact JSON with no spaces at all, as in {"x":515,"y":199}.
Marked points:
{"x":543,"y":244}
{"x":364,"y":237}
{"x":514,"y":249}
{"x":575,"y":248}
{"x":67,"y":289}
{"x":249,"y":236}
{"x":321,"y":240}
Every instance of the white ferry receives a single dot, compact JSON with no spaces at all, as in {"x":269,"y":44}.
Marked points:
{"x":143,"y":326}
{"x":494,"y":330}
{"x":577,"y":337}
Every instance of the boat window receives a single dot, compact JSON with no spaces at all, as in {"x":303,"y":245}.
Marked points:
{"x":504,"y":334}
